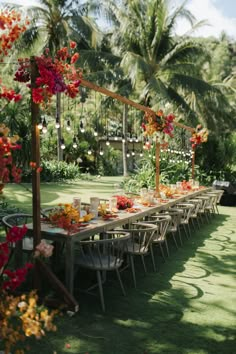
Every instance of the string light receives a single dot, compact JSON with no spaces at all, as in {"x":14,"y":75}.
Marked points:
{"x":136,"y":139}
{"x":40,"y":125}
{"x":63,"y":144}
{"x":141,"y":154}
{"x":44,"y":126}
{"x":81,"y":127}
{"x":95,"y":133}
{"x":128,"y":154}
{"x":123,"y":138}
{"x":74,"y":142}
{"x":57,"y":124}
{"x":68,"y":127}
{"x":101,"y":152}
{"x":89,"y":150}
{"x":133,"y":153}
{"x":107,"y":141}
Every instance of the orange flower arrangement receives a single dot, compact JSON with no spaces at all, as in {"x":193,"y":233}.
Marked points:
{"x":66,"y":216}
{"x":154,"y":123}
{"x":199,"y":136}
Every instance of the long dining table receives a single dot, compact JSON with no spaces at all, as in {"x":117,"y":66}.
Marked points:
{"x":99,"y":226}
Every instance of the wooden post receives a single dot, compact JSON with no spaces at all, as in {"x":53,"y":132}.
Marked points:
{"x":124,"y":144}
{"x":157,"y":168}
{"x":193,"y":162}
{"x":35,"y":114}
{"x":35,"y":152}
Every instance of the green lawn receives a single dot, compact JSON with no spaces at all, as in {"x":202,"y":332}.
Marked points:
{"x":187,"y":307}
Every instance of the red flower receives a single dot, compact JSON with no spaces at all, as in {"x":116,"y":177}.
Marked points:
{"x":74,"y":58}
{"x":16,"y":233}
{"x":4,"y":254}
{"x":73,"y":45}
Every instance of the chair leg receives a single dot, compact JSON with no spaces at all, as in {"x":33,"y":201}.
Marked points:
{"x":189,"y":230}
{"x":185,"y":230}
{"x":153,"y":259}
{"x":120,"y":281}
{"x":176,"y":244}
{"x":133,"y":269}
{"x":162,"y":252}
{"x":144,"y":265}
{"x":100,"y":290}
{"x":198,"y":224}
{"x":180,"y":237}
{"x":167,"y":248}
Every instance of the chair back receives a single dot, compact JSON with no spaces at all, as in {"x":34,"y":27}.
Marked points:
{"x":176,"y":215}
{"x":187,"y":210}
{"x":162,"y":223}
{"x":103,"y":254}
{"x":142,"y":234}
{"x":19,"y":219}
{"x":197,"y":205}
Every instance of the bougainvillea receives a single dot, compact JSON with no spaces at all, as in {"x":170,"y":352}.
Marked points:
{"x":56,"y":75}
{"x":158,"y":123}
{"x":199,"y":136}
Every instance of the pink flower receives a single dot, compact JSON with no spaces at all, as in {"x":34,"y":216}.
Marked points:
{"x":43,"y":249}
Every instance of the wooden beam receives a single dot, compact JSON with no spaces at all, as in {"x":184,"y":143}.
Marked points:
{"x":127,"y":101}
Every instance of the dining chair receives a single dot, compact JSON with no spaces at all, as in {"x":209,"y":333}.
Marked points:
{"x":162,"y":223}
{"x":139,"y":245}
{"x":184,"y":222}
{"x":173,"y":228}
{"x":22,"y":246}
{"x":194,"y":216}
{"x":102,"y":255}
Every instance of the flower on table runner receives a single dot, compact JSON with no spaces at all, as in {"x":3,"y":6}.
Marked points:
{"x":66,"y":216}
{"x":123,"y":202}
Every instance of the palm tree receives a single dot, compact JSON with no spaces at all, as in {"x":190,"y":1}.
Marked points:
{"x":160,"y":65}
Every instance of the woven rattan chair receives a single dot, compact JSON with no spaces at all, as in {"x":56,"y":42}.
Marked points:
{"x":102,"y":255}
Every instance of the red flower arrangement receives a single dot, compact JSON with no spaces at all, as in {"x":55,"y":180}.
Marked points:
{"x":55,"y":75}
{"x":123,"y":202}
{"x":7,"y":144}
{"x":199,"y":136}
{"x":158,"y":123}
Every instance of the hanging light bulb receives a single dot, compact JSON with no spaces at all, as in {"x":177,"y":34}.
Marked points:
{"x":150,"y":155}
{"x":63,"y":144}
{"x":123,"y":138}
{"x":89,"y":150}
{"x":101,"y":152}
{"x":128,"y":154}
{"x":40,"y":125}
{"x":95,"y":133}
{"x":116,"y":138}
{"x":81,"y":127}
{"x":68,"y":127}
{"x":107,"y":141}
{"x":136,"y":139}
{"x":74,"y":142}
{"x":141,"y":154}
{"x":133,"y":153}
{"x":131,"y":139}
{"x":44,"y":126}
{"x":57,"y":124}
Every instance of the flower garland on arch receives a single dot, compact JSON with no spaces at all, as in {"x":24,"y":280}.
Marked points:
{"x":55,"y":75}
{"x":158,"y":124}
{"x":199,"y":136}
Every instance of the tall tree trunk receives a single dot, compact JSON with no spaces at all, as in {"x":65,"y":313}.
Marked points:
{"x":58,"y":115}
{"x":124,"y":145}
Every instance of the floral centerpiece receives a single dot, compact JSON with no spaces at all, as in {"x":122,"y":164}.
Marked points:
{"x":199,"y":136}
{"x":66,"y":217}
{"x":123,"y":202}
{"x":7,"y":144}
{"x":157,"y":124}
{"x":20,"y":315}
